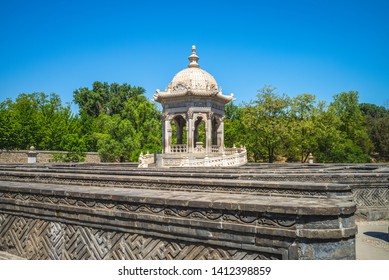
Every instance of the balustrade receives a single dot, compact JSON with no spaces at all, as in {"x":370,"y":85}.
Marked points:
{"x":215,"y":149}
{"x":178,"y":148}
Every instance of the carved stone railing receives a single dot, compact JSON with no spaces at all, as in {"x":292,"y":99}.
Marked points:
{"x":234,"y":150}
{"x":178,"y":148}
{"x":236,"y":159}
{"x":199,"y":148}
{"x":146,"y":160}
{"x":215,"y":149}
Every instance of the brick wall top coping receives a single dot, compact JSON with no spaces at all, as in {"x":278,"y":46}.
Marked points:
{"x":42,"y":152}
{"x":225,"y":174}
{"x":243,"y":171}
{"x":180,"y":180}
{"x":217,"y":201}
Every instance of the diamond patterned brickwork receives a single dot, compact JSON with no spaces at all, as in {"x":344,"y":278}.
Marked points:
{"x":371,"y":197}
{"x":39,"y":239}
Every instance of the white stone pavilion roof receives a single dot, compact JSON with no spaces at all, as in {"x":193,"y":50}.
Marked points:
{"x":192,"y":81}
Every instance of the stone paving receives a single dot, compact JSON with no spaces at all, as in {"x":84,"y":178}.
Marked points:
{"x":372,"y":240}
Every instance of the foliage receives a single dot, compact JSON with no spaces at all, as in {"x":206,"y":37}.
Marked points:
{"x":377,"y":123}
{"x":234,"y":129}
{"x":275,"y":126}
{"x":119,"y":122}
{"x":117,"y":138}
{"x":265,"y":122}
{"x":346,"y":107}
{"x":39,"y":120}
{"x":104,"y":98}
{"x":302,"y":128}
{"x":116,"y":120}
{"x":146,"y":120}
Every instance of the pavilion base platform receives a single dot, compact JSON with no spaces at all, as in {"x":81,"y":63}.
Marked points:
{"x":198,"y":160}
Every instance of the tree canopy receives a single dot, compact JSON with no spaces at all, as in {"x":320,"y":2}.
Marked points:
{"x":36,"y":119}
{"x":119,"y":122}
{"x":104,"y":98}
{"x":277,"y":127}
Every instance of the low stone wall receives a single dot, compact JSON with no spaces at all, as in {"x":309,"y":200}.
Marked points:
{"x":369,"y":183}
{"x":118,"y":211}
{"x":20,"y":156}
{"x":55,"y":221}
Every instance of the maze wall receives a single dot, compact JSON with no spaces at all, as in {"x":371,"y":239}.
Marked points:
{"x":48,"y":221}
{"x":40,"y":240}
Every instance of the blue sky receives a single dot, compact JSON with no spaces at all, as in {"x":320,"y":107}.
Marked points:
{"x":318,"y":47}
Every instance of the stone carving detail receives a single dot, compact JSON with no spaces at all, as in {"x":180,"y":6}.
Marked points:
{"x":190,"y":213}
{"x":180,"y":88}
{"x":239,"y":158}
{"x":40,"y":239}
{"x":166,"y":186}
{"x":371,"y":197}
{"x":30,"y":238}
{"x":165,"y":117}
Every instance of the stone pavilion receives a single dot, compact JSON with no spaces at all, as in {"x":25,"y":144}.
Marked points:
{"x":193,"y":121}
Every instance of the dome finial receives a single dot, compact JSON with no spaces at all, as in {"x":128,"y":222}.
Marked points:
{"x":193,"y":58}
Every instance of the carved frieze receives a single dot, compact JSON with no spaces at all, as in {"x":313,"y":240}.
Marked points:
{"x":169,"y":186}
{"x":238,"y":217}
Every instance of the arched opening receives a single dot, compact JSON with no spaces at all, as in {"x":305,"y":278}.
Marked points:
{"x":199,"y":134}
{"x":178,"y":137}
{"x":216,"y":141}
{"x":215,"y":129}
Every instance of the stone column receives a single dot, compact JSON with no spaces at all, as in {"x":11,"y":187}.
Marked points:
{"x":167,"y":135}
{"x":164,"y":134}
{"x":208,"y":134}
{"x":190,"y":131}
{"x":221,"y":132}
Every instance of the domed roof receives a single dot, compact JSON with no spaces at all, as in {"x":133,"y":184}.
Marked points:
{"x":192,"y":81}
{"x":197,"y":80}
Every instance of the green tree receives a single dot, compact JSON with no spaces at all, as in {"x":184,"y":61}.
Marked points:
{"x":234,"y":129}
{"x":104,"y":98}
{"x":146,"y":120}
{"x":341,"y":130}
{"x":377,"y":123}
{"x":346,"y":107}
{"x":118,"y":121}
{"x":303,"y":130}
{"x":55,"y":122}
{"x":373,"y":111}
{"x":8,"y":126}
{"x":40,"y":120}
{"x":26,"y":123}
{"x":265,"y":122}
{"x":117,"y":138}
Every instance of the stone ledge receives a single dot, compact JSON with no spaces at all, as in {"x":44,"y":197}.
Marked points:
{"x":236,"y":202}
{"x":183,"y":180}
